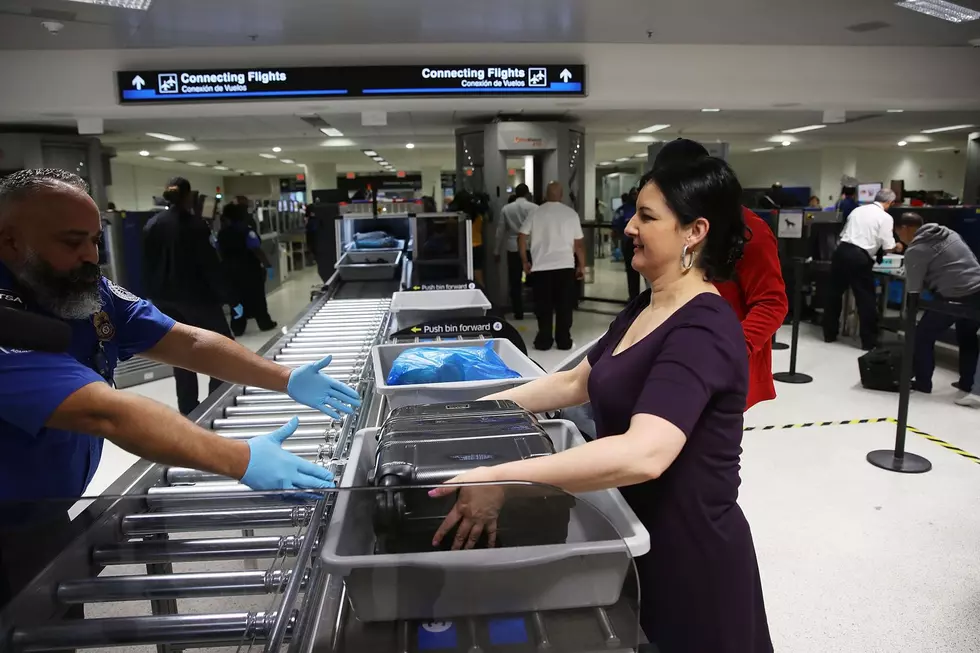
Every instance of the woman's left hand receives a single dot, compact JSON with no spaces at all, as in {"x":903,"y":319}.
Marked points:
{"x":476,"y":509}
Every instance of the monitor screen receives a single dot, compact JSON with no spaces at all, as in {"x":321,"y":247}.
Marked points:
{"x":867,"y":192}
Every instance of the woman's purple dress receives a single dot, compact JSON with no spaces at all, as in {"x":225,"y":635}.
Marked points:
{"x":700,"y":590}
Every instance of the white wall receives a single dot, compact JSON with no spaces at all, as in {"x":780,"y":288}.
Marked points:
{"x":920,"y":170}
{"x":133,"y":186}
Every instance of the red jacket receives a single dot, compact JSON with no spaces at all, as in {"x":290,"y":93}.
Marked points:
{"x":758,"y":296}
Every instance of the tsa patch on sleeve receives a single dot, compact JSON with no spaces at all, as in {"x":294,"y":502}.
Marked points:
{"x":10,"y":299}
{"x":121,"y":292}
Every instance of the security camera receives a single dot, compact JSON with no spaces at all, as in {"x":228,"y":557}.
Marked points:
{"x":52,"y":26}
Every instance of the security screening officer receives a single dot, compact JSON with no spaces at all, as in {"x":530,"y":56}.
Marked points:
{"x":184,"y":278}
{"x":56,"y":409}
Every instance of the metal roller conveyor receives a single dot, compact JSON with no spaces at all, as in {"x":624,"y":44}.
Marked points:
{"x":273,"y":421}
{"x":269,"y":409}
{"x":347,"y":357}
{"x":340,"y":329}
{"x":219,"y":494}
{"x":156,"y":587}
{"x":270,"y":398}
{"x":302,"y":433}
{"x":344,"y":349}
{"x":181,"y":475}
{"x":231,"y":629}
{"x":170,"y":551}
{"x":216,"y":520}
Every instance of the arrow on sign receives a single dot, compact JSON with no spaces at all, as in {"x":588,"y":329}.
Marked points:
{"x":565,"y":75}
{"x":415,"y":329}
{"x":139,"y":83}
{"x":416,"y":287}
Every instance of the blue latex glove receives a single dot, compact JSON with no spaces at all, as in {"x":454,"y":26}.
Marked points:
{"x":238,"y":311}
{"x":271,"y":468}
{"x":310,"y":388}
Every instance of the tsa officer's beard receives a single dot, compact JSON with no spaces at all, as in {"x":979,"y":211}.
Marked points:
{"x":72,"y":295}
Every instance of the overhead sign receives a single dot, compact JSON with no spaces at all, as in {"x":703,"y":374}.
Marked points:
{"x":220,"y":85}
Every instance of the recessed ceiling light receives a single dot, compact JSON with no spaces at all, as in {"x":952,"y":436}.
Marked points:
{"x":787,"y":143}
{"x":287,"y":160}
{"x":947,"y":11}
{"x":337,"y":142}
{"x":941,"y":149}
{"x":164,"y":158}
{"x":951,"y":128}
{"x":256,"y":174}
{"x":896,"y":111}
{"x":378,"y":158}
{"x":370,"y":152}
{"x":144,"y":153}
{"x":622,"y":159}
{"x":902,"y":143}
{"x":763,"y":149}
{"x":277,"y":149}
{"x":641,"y":139}
{"x":181,"y":147}
{"x":333,"y":132}
{"x":266,"y":155}
{"x":710,"y":110}
{"x":652,"y":128}
{"x":800,"y":130}
{"x":221,"y":167}
{"x":410,"y":146}
{"x":164,"y":137}
{"x":197,"y":164}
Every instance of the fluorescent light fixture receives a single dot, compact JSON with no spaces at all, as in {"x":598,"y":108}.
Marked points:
{"x":606,"y":163}
{"x":918,"y":138}
{"x":763,"y":149}
{"x":641,"y":139}
{"x":138,"y":5}
{"x":800,"y":130}
{"x":164,"y":158}
{"x":951,"y":128}
{"x":337,"y":142}
{"x":652,"y":128}
{"x":710,"y":110}
{"x":256,"y":174}
{"x":378,"y":158}
{"x":164,"y":137}
{"x":181,"y":147}
{"x":144,"y":153}
{"x":332,"y":132}
{"x":266,"y":155}
{"x":902,"y":143}
{"x":641,"y":155}
{"x":221,"y":167}
{"x":277,"y":149}
{"x":622,"y":159}
{"x":782,"y":138}
{"x":287,"y":160}
{"x":197,"y":164}
{"x":786,"y":143}
{"x":896,"y":111}
{"x":409,"y":146}
{"x":948,"y":148}
{"x":301,"y":165}
{"x":947,"y":11}
{"x":241,"y":172}
{"x":370,"y":152}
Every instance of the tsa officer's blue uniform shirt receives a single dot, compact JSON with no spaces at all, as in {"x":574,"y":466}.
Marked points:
{"x":39,"y":462}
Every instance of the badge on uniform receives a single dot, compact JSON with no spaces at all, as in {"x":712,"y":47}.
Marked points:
{"x":121,"y":292}
{"x":104,"y":329}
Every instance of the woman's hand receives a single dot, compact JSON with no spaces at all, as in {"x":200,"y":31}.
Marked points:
{"x":476,"y":509}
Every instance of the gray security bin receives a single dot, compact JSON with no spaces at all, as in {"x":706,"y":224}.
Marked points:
{"x":587,"y":571}
{"x":370,"y":265}
{"x":383,"y":357}
{"x":411,"y":308}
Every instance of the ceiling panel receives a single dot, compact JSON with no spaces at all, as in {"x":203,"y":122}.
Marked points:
{"x":184,"y":23}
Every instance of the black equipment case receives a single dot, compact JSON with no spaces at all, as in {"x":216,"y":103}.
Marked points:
{"x":881,"y":368}
{"x":426,"y":447}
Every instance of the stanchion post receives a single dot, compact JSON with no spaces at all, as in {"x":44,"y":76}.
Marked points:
{"x":897,"y":459}
{"x":793,"y":376}
{"x":778,"y":346}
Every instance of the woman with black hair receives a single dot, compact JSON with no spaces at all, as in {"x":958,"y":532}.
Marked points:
{"x":667,"y":384}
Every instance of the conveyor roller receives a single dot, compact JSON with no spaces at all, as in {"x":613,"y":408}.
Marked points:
{"x":216,"y":520}
{"x":169,"y":551}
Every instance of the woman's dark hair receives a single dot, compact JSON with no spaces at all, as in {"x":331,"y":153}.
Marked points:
{"x":177,"y":189}
{"x":706,"y":187}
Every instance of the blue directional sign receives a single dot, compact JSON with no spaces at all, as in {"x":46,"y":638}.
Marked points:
{"x":214,"y":85}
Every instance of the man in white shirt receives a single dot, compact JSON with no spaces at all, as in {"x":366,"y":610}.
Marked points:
{"x":558,"y":259}
{"x":512,"y":218}
{"x":869,"y":228}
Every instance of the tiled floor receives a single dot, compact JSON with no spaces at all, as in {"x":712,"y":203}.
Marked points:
{"x":853,"y":559}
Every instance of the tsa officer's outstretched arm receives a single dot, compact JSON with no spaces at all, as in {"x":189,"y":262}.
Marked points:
{"x":155,"y":432}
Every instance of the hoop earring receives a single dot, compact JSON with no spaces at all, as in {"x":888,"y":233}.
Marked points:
{"x":687,"y":259}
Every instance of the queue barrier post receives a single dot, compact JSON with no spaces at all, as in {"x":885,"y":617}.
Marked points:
{"x":897,"y":459}
{"x":793,"y":376}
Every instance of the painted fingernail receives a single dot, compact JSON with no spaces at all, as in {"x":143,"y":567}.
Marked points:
{"x":432,"y":493}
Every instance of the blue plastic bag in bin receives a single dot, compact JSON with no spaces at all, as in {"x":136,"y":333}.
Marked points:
{"x":420,"y":365}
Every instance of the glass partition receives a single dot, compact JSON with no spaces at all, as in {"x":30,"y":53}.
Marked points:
{"x":352,"y":569}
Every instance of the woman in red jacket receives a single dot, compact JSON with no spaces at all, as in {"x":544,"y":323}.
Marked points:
{"x":758,"y":294}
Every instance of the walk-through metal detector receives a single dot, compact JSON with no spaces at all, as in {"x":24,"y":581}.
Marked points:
{"x":482,"y":152}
